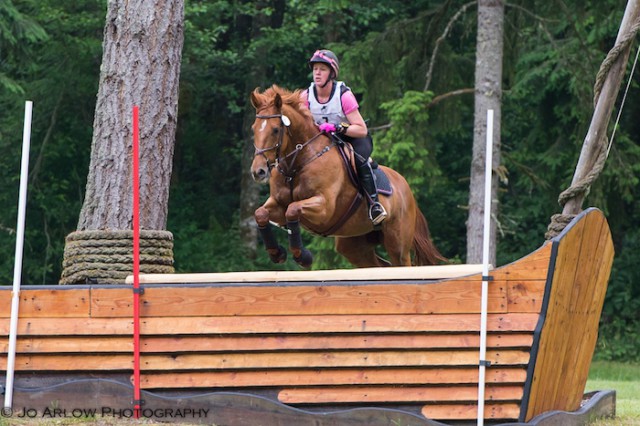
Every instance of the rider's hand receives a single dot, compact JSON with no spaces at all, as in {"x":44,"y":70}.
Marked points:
{"x":327,"y":128}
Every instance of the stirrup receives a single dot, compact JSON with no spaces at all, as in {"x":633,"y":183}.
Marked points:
{"x":380,"y":213}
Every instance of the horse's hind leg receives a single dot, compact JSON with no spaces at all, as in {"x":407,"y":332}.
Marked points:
{"x":359,"y":251}
{"x":398,"y":242}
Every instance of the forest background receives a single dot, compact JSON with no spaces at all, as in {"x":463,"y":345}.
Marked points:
{"x":411,"y":65}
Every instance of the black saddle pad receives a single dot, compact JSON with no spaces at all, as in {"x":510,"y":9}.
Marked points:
{"x":382,"y":182}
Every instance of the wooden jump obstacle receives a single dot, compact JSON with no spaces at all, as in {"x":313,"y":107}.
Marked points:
{"x":362,"y":347}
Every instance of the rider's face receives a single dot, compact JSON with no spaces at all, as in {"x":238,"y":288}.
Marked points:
{"x":321,"y":73}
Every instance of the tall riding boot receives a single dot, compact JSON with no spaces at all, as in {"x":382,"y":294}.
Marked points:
{"x":377,"y":213}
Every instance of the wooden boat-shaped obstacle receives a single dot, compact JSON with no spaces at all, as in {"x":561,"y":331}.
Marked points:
{"x":363,"y":347}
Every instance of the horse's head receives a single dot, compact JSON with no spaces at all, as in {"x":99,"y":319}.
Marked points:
{"x":275,"y":110}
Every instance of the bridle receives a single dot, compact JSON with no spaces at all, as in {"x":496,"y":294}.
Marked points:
{"x":284,"y":122}
{"x":288,"y":171}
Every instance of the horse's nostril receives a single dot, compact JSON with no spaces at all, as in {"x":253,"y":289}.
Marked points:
{"x":259,"y":174}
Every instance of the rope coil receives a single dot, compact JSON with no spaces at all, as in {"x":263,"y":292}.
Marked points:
{"x":106,"y":256}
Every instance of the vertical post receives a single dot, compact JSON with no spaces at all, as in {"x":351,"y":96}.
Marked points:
{"x":137,"y":401}
{"x":603,"y":109}
{"x":488,"y":166}
{"x":17,"y":267}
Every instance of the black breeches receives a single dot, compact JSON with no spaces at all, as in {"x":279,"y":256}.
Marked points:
{"x":362,"y":146}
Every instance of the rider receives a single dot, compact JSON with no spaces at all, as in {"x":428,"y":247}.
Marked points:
{"x":336,"y":110}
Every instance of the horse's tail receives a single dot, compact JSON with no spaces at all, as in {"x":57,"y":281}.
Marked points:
{"x":425,"y":251}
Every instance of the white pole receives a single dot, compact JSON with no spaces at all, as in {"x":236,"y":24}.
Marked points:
{"x":485,"y":265}
{"x":17,"y":267}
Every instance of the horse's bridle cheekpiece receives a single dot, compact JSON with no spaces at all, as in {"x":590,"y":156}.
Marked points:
{"x":284,"y":122}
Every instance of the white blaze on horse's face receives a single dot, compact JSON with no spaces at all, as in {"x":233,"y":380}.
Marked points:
{"x":265,"y":138}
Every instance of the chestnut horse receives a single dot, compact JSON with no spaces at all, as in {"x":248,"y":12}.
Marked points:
{"x":310,"y":187}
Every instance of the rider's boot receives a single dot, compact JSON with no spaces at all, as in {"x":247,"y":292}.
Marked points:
{"x":377,"y":213}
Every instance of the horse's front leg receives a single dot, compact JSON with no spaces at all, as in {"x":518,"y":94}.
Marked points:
{"x":313,"y":210}
{"x":262,"y":215}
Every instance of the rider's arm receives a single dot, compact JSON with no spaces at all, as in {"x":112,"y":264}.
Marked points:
{"x":357,"y":127}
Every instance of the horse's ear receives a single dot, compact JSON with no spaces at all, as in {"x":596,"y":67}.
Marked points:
{"x":277,"y":101}
{"x":255,"y":100}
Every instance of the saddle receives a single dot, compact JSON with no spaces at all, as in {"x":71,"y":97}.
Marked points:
{"x":383,"y":185}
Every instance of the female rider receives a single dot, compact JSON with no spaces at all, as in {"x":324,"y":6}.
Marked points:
{"x":336,"y":110}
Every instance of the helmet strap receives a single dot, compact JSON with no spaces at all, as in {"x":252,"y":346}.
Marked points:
{"x":323,"y":85}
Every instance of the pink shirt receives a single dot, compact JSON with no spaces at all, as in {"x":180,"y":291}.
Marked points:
{"x":348,"y":100}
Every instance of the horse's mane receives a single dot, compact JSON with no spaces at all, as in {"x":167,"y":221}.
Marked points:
{"x":289,"y":98}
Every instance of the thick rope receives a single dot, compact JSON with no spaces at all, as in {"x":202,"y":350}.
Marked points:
{"x":582,"y":186}
{"x":106,"y":256}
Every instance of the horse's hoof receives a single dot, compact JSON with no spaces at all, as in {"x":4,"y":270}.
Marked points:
{"x":305,"y":259}
{"x":279,"y":256}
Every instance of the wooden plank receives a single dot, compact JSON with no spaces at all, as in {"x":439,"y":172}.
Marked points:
{"x":285,"y":324}
{"x":436,"y":272}
{"x":69,"y":362}
{"x":338,"y":324}
{"x":334,"y":359}
{"x":71,"y":344}
{"x":455,"y":296}
{"x":329,"y":359}
{"x":407,"y":394}
{"x":507,"y":411}
{"x":580,"y":311}
{"x":575,"y":309}
{"x":525,"y":296}
{"x":535,"y":266}
{"x":567,"y":341}
{"x":47,"y":302}
{"x":70,"y":326}
{"x":317,"y":377}
{"x":209,"y":343}
{"x":556,"y":331}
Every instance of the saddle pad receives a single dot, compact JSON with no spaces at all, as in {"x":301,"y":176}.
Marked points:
{"x":382,"y":182}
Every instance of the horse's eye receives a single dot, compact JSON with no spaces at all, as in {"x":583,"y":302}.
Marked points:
{"x":276,"y":130}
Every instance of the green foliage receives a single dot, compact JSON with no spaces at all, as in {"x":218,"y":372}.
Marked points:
{"x":624,"y":378}
{"x":619,"y":338}
{"x":403,"y":146}
{"x":61,"y":129}
{"x":18,"y":32}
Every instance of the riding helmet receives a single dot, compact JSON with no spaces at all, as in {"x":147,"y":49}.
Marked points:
{"x":327,"y":57}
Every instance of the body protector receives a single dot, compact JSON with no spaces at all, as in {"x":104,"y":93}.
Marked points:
{"x":331,"y":111}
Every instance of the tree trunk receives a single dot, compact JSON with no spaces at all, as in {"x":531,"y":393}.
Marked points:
{"x":488,"y":86}
{"x":142,"y":50}
{"x":140,"y":66}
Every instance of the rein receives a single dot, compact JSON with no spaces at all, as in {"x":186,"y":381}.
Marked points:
{"x":288,"y":160}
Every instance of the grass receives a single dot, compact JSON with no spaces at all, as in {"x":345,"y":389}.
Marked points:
{"x":625,"y":380}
